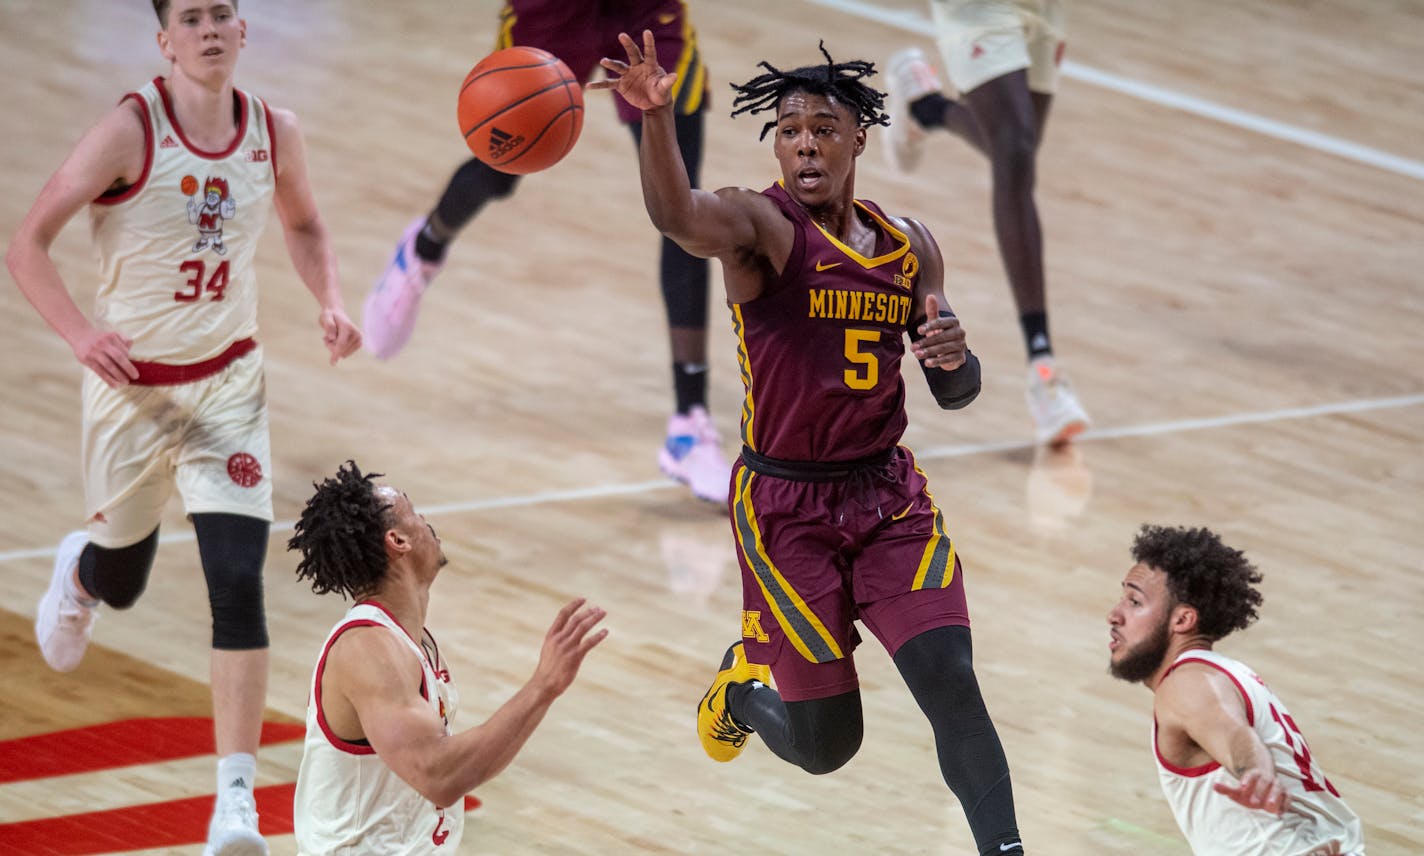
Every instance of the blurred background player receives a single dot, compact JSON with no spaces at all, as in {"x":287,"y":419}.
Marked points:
{"x":381,"y":770}
{"x":581,"y":32}
{"x":1002,"y":57}
{"x":179,"y":179}
{"x":833,"y":519}
{"x":1234,"y":766}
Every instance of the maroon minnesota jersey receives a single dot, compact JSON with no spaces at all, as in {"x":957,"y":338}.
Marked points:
{"x":820,"y":349}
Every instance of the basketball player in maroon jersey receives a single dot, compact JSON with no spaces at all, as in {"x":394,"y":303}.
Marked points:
{"x":833,"y":520}
{"x":581,"y":32}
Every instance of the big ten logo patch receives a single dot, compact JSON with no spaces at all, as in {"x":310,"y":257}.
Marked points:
{"x":244,"y":470}
{"x":751,"y":626}
{"x":908,"y":268}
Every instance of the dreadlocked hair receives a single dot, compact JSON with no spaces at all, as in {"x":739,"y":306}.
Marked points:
{"x":341,"y":534}
{"x":1217,"y":581}
{"x":838,"y":80}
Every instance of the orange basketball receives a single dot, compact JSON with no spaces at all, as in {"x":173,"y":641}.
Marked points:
{"x":189,"y":185}
{"x":521,"y":110}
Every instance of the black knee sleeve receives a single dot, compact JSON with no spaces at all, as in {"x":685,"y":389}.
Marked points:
{"x":472,"y":185}
{"x":117,"y":577}
{"x":819,"y":736}
{"x":233,"y":548}
{"x":938,"y":667}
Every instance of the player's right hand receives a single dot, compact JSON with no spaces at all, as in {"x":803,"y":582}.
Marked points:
{"x":566,"y":644}
{"x":106,"y":353}
{"x":641,"y":81}
{"x":1256,"y":790}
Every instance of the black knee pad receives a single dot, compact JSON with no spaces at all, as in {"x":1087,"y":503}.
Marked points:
{"x":233,"y":548}
{"x":118,"y":576}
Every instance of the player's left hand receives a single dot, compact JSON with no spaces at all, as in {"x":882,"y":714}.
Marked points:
{"x":641,"y":81}
{"x":1256,"y":790}
{"x":342,"y":338}
{"x":943,"y":345}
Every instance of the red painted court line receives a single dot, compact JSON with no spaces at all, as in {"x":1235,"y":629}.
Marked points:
{"x":119,"y":744}
{"x":143,"y":827}
{"x":138,"y":827}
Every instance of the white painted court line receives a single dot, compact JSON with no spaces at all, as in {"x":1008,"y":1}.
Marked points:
{"x":921,"y":25}
{"x":932,"y":453}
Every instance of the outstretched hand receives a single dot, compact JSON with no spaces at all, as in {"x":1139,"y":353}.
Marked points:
{"x":641,"y":81}
{"x":1256,"y":790}
{"x":341,"y":337}
{"x":943,"y":345}
{"x":566,"y":644}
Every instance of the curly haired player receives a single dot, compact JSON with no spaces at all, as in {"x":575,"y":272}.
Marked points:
{"x":1232,"y":762}
{"x":381,"y":770}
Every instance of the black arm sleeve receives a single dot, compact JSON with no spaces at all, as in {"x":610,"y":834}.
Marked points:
{"x":952,"y":390}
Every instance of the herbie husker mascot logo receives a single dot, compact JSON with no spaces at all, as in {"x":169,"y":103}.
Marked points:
{"x":209,"y":214}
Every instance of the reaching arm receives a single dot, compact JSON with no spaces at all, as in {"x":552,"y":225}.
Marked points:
{"x":308,"y":242}
{"x":1205,"y":705}
{"x":734,"y":224}
{"x":110,"y":155}
{"x":374,"y":673}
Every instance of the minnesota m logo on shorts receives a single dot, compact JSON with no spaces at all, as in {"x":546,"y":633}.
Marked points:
{"x":751,"y":626}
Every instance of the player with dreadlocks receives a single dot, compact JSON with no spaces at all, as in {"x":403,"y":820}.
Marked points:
{"x":833,"y":521}
{"x":381,"y":770}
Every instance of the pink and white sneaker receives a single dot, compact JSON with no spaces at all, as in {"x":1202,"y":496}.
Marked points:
{"x":391,"y":307}
{"x":692,"y":454}
{"x":63,"y":624}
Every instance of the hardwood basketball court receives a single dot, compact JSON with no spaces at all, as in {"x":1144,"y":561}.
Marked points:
{"x":1232,"y":207}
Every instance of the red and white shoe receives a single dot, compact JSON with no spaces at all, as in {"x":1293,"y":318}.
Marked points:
{"x":909,"y":77}
{"x":1057,"y":415}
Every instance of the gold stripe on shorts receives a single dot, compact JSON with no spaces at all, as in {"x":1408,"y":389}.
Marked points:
{"x":937,"y":564}
{"x":800,"y":624}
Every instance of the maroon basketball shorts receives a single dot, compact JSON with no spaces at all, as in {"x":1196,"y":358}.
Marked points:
{"x":816,"y":556}
{"x":581,"y":36}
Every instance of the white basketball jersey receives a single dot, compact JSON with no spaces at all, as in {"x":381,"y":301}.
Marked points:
{"x":1316,"y":821}
{"x":348,"y":801}
{"x":176,"y":248}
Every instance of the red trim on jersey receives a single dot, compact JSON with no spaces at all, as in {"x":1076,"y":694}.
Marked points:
{"x":148,"y":148}
{"x":1193,"y":772}
{"x":343,"y":745}
{"x":271,"y":135}
{"x":166,"y":374}
{"x":1189,"y":772}
{"x":1250,"y":713}
{"x":173,"y":120}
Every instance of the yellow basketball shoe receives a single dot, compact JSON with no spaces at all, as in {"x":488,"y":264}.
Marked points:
{"x":722,"y":737}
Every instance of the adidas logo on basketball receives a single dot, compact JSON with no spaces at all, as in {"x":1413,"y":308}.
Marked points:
{"x":502,"y":143}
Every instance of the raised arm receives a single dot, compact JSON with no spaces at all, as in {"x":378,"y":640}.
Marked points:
{"x":370,"y":673}
{"x":308,"y":241}
{"x":1204,"y":704}
{"x":730,"y":224}
{"x":109,"y":156}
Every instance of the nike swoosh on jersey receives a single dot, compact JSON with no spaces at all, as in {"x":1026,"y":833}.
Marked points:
{"x":824,"y":266}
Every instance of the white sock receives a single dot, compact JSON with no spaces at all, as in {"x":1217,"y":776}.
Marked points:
{"x":237,"y":770}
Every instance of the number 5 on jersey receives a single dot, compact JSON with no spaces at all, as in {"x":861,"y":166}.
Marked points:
{"x":196,"y":287}
{"x":867,"y":374}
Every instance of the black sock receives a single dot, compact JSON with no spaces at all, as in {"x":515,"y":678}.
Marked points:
{"x":1035,"y":332}
{"x":929,"y":111}
{"x":689,"y":384}
{"x":429,"y":247}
